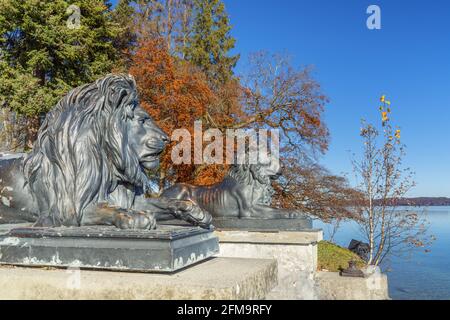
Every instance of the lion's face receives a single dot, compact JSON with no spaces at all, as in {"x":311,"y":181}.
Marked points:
{"x":146,"y":139}
{"x":269,"y":166}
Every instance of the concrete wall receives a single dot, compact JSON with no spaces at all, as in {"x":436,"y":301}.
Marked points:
{"x":296,"y":253}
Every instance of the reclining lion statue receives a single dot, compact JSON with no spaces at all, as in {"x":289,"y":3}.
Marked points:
{"x":245,"y":192}
{"x":88,"y":164}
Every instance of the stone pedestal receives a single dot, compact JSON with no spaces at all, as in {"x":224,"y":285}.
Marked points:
{"x":217,"y":278}
{"x":166,"y":249}
{"x":295,"y":252}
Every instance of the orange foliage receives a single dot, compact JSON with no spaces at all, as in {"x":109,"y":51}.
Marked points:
{"x":176,"y":94}
{"x":173,"y":92}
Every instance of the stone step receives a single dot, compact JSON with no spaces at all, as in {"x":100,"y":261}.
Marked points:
{"x":217,"y":278}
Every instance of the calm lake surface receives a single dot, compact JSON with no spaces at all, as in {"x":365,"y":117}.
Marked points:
{"x":420,"y":276}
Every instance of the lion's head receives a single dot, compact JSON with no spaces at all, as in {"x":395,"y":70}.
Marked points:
{"x":258,"y":176}
{"x":95,"y":138}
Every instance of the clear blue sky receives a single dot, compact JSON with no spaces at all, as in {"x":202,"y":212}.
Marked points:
{"x":408,"y":59}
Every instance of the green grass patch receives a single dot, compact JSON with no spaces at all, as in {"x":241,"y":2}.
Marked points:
{"x":334,"y":258}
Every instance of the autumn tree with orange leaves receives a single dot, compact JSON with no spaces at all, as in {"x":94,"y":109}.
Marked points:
{"x":176,"y":94}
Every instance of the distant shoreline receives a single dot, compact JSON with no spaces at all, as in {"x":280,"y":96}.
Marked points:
{"x":423,"y":202}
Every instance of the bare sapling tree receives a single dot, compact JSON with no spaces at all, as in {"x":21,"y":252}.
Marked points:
{"x":388,"y":229}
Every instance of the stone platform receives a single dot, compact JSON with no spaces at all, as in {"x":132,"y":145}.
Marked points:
{"x":216,"y":278}
{"x":166,"y":249}
{"x":295,"y":252}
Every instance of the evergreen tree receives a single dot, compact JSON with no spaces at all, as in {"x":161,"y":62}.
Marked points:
{"x":43,"y":56}
{"x":209,"y":45}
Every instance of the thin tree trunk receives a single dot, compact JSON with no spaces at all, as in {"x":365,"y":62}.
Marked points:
{"x":371,"y":209}
{"x":169,"y":24}
{"x":371,"y":227}
{"x":387,"y":188}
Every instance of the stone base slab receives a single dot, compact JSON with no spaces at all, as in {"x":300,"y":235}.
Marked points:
{"x":270,"y":237}
{"x":217,"y":278}
{"x":166,"y":249}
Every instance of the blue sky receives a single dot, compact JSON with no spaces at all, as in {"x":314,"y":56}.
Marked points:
{"x":408,"y":60}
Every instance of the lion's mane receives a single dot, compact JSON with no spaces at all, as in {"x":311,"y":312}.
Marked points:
{"x":81,"y":153}
{"x":250,"y":175}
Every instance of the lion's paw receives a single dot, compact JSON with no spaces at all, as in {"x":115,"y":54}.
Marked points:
{"x":199,"y":217}
{"x":135,"y":220}
{"x":190,"y":212}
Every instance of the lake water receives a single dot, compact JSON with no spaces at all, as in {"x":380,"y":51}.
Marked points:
{"x":422,"y":275}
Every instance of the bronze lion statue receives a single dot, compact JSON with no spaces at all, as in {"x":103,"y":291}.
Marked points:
{"x":88,"y":164}
{"x":245,"y":192}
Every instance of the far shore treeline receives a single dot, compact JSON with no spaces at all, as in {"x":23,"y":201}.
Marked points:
{"x":422,"y":202}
